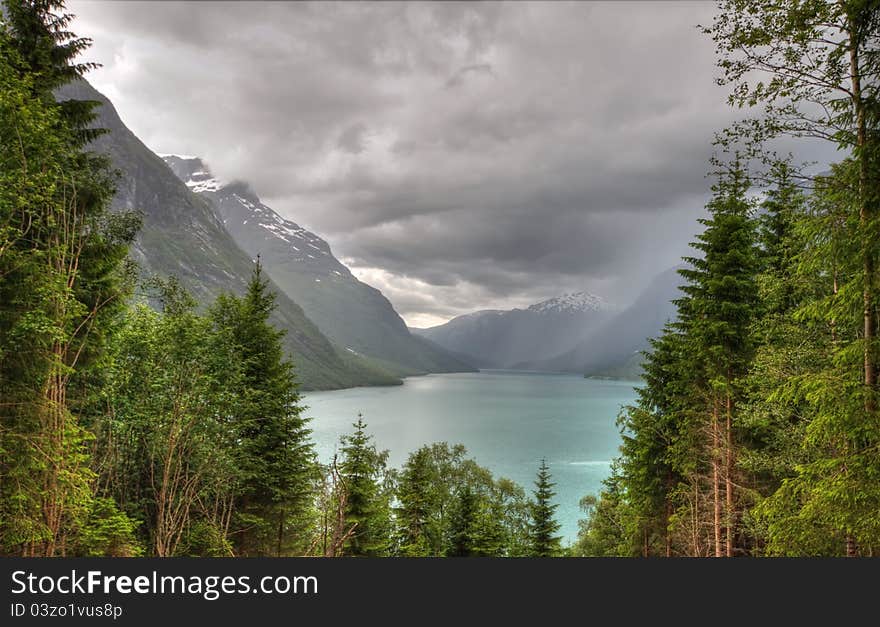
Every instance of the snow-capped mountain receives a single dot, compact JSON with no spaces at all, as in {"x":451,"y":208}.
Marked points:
{"x":614,"y":348}
{"x":354,"y":315}
{"x":572,"y":303}
{"x":244,"y":215}
{"x":182,"y":236}
{"x":505,"y":339}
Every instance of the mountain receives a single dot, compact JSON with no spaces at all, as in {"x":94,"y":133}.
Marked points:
{"x":614,"y":348}
{"x":182,"y":236}
{"x":505,"y":339}
{"x":354,"y":315}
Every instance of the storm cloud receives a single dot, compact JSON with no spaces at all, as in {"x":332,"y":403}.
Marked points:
{"x":457,"y":156}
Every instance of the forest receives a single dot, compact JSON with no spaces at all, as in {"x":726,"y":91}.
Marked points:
{"x":136,"y":421}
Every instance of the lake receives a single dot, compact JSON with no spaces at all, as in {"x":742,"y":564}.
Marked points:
{"x":507,"y":420}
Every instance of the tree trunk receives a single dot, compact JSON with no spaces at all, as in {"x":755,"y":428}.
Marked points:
{"x":728,"y":478}
{"x":280,"y":532}
{"x":695,"y":520}
{"x":716,"y":480}
{"x":864,"y":219}
{"x":852,"y":549}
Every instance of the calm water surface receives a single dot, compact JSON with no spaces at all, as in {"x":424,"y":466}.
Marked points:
{"x":507,"y":420}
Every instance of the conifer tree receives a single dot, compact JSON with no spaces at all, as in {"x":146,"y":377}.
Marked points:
{"x":464,"y":524}
{"x":417,"y":493}
{"x":660,"y":463}
{"x":722,"y":289}
{"x":62,"y":281}
{"x":275,"y":453}
{"x":368,"y":508}
{"x":813,"y":68}
{"x":543,"y":524}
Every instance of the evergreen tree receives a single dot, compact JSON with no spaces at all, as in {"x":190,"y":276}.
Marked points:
{"x":772,"y":425}
{"x":62,"y":281}
{"x":39,"y":43}
{"x":660,"y":454}
{"x":827,"y":503}
{"x":275,"y":453}
{"x":464,"y":524}
{"x":723,"y":295}
{"x":368,"y":507}
{"x":543,"y":524}
{"x":813,"y":67}
{"x":418,"y":495}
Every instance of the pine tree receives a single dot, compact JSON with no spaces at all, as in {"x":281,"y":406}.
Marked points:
{"x":368,"y":508}
{"x":464,"y":524}
{"x":659,"y":453}
{"x":276,"y":458}
{"x":543,"y":524}
{"x":723,"y":295}
{"x":417,"y":493}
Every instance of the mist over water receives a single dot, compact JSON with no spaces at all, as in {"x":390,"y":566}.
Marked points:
{"x":507,"y":420}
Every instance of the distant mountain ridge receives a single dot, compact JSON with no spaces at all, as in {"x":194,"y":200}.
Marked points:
{"x":578,"y":333}
{"x":614,"y":348}
{"x":354,"y":315}
{"x":503,"y":339}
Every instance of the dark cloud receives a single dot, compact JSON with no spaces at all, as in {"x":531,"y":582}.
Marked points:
{"x":458,"y":155}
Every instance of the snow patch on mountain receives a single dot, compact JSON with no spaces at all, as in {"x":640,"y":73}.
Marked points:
{"x":576,"y":302}
{"x":184,"y":157}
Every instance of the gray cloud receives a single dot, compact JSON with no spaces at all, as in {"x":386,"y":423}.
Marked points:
{"x":458,"y":155}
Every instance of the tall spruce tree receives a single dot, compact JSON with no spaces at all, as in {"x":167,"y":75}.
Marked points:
{"x":275,"y":452}
{"x":368,"y":506}
{"x":659,"y":464}
{"x":543,"y":524}
{"x":418,"y":495}
{"x":722,"y":288}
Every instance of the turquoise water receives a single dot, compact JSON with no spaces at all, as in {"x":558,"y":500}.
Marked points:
{"x":507,"y":420}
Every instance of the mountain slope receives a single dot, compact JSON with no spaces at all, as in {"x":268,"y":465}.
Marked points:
{"x":181,"y":235}
{"x":505,"y":339}
{"x":356,"y":316}
{"x":614,"y":348}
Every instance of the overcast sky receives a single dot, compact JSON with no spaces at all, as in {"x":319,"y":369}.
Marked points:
{"x":456,"y":156}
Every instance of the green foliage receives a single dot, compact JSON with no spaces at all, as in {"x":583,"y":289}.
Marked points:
{"x":107,"y":532}
{"x":542,"y":541}
{"x":368,"y":486}
{"x":164,"y":440}
{"x":63,"y":278}
{"x":203,"y":538}
{"x":273,"y":450}
{"x":450,"y":505}
{"x":607,"y":529}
